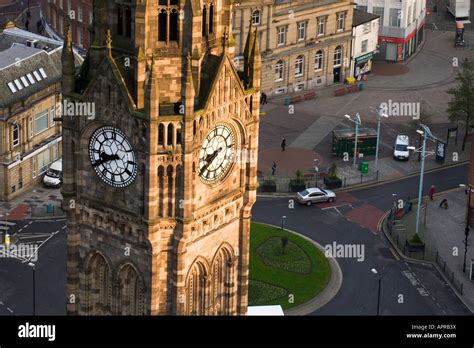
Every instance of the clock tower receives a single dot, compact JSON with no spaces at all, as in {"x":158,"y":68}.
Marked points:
{"x":160,"y":179}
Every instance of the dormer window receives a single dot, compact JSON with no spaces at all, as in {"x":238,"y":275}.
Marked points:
{"x":168,"y":20}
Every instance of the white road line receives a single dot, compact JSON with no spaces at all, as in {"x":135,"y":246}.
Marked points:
{"x":8,"y":308}
{"x":63,"y":227}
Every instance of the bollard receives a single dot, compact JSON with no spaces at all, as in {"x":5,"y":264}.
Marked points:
{"x":377,"y":175}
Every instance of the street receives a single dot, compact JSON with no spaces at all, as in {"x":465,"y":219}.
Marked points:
{"x":419,"y":288}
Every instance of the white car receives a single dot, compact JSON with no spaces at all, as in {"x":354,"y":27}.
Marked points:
{"x":400,"y":149}
{"x":54,"y":175}
{"x":315,"y":195}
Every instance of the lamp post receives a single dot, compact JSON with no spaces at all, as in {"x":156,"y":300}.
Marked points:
{"x":380,"y":113}
{"x":426,"y":134}
{"x":316,"y":171}
{"x":357,"y":123}
{"x":32,"y":265}
{"x":467,"y":228}
{"x":374,"y":271}
{"x":283,"y":219}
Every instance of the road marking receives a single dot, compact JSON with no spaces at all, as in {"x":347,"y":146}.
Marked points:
{"x":394,"y":254}
{"x":63,"y":227}
{"x":8,"y":308}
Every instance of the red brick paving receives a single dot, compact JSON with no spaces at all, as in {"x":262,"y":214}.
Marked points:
{"x":341,"y":199}
{"x":366,"y":215}
{"x":19,"y":213}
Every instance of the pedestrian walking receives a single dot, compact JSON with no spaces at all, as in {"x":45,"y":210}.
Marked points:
{"x":27,"y":25}
{"x":264,"y":98}
{"x":432,"y":192}
{"x":283,"y":144}
{"x":274,"y":168}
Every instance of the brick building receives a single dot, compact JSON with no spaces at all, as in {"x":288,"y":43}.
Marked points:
{"x":305,"y":44}
{"x":30,"y":84}
{"x":57,"y":12}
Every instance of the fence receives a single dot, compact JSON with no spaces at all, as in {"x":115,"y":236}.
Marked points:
{"x":397,"y":230}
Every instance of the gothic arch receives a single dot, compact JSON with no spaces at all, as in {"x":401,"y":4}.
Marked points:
{"x":98,"y":285}
{"x":197,"y":287}
{"x":223,"y":282}
{"x":130,"y":291}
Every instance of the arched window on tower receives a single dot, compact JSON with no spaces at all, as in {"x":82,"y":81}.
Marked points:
{"x":128,"y":22}
{"x":161,"y":134}
{"x":168,"y":20}
{"x":204,"y":21}
{"x":119,"y":20}
{"x":211,"y":19}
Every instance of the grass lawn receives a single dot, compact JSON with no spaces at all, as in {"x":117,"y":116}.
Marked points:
{"x":302,"y":271}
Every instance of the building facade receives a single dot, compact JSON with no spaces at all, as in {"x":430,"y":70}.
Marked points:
{"x":305,"y":44}
{"x":57,"y":14}
{"x":365,"y":30}
{"x":402,"y":26}
{"x":160,"y":185}
{"x":30,"y":139}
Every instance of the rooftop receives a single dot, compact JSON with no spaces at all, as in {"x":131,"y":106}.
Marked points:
{"x":362,"y":17}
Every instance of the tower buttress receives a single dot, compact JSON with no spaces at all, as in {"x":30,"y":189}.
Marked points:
{"x":68,"y":67}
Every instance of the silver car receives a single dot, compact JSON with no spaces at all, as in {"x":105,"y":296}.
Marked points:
{"x":315,"y":195}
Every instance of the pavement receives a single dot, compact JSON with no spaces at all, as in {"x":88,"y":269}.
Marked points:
{"x":33,"y":204}
{"x":307,"y":126}
{"x":354,"y":219}
{"x":442,"y":231}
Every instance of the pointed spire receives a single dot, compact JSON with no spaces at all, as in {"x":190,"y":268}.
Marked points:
{"x":152,"y":101}
{"x":108,"y":41}
{"x":255,"y":63}
{"x":249,"y":42}
{"x":68,"y":66}
{"x":190,"y":92}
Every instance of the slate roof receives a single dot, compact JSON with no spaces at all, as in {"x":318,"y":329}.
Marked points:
{"x":361,"y":17}
{"x":27,"y":70}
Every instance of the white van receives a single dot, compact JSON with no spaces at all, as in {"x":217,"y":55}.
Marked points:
{"x":400,"y":149}
{"x":54,"y":175}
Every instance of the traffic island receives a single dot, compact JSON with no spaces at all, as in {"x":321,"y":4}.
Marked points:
{"x":289,"y":270}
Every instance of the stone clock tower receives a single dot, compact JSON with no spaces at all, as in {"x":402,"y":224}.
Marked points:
{"x":160,"y":179}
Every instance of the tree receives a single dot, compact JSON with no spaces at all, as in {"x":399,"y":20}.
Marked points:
{"x":461,"y":106}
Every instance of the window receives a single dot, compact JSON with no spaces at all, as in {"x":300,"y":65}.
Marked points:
{"x":68,"y":7}
{"x":338,"y":56}
{"x":128,"y":22}
{"x":31,"y":127}
{"x":256,"y":17}
{"x":361,"y":8}
{"x":91,"y":17}
{"x":318,"y":60}
{"x":16,"y":135}
{"x":299,"y":66}
{"x":321,"y":26}
{"x":279,"y":70}
{"x":119,"y":20}
{"x":366,"y":28}
{"x":41,"y":122}
{"x":80,"y":42}
{"x":341,"y":21}
{"x":395,"y":17}
{"x":43,"y":160}
{"x":168,"y":20}
{"x":79,"y":13}
{"x":414,"y":11}
{"x":379,"y":12}
{"x":301,"y":31}
{"x":281,"y":33}
{"x":299,"y":87}
{"x":409,"y":12}
{"x":364,"y":46}
{"x":61,"y":4}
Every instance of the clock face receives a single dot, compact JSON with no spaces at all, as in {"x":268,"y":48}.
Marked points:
{"x":217,"y":154}
{"x":112,"y":157}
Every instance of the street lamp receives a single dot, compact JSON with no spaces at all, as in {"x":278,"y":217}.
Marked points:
{"x":357,"y":122}
{"x":283,"y":219}
{"x":316,"y":170}
{"x":426,"y":134}
{"x":374,"y":271}
{"x":32,"y":265}
{"x":467,"y":228}
{"x":380,"y":113}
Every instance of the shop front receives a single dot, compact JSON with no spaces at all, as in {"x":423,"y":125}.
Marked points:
{"x":400,"y":49}
{"x":363,"y":65}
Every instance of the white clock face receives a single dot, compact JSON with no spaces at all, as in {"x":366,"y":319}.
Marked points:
{"x":112,"y":157}
{"x":217,"y":154}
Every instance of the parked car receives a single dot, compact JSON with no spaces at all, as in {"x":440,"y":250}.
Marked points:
{"x":315,"y":195}
{"x":400,"y":149}
{"x":54,"y":175}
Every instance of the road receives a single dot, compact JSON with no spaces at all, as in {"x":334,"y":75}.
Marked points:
{"x":407,"y":288}
{"x":16,"y":277}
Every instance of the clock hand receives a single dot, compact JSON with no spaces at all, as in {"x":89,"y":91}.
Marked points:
{"x":105,"y":158}
{"x":209,"y":159}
